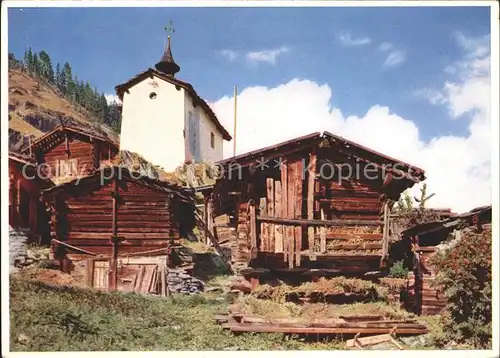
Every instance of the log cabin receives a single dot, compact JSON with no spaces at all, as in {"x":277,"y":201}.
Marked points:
{"x":117,"y":212}
{"x":70,"y":150}
{"x":318,"y":203}
{"x":25,"y":209}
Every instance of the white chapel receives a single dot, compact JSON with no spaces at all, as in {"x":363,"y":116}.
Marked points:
{"x":165,"y":121}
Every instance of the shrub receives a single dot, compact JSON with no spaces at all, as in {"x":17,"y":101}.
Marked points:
{"x":464,"y":272}
{"x":398,"y":270}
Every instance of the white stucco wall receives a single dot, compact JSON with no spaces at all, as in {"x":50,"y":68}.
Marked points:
{"x":201,"y":130}
{"x":154,"y":128}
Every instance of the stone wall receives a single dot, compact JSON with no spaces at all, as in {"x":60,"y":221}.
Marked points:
{"x":180,"y":281}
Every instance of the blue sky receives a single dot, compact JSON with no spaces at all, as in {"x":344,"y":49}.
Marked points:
{"x":341,"y":47}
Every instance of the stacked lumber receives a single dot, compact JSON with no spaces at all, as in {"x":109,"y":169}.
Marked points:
{"x":236,"y":321}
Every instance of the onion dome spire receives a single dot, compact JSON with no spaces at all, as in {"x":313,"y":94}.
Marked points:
{"x":167,"y":64}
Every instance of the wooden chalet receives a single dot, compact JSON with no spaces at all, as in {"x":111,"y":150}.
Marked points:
{"x":25,"y":209}
{"x":116,"y":211}
{"x":70,"y":150}
{"x":295,"y":207}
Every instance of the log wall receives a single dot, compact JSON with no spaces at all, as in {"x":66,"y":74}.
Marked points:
{"x":80,"y":155}
{"x":25,"y":210}
{"x":146,"y":221}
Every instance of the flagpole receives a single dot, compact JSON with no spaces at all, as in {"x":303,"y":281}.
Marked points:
{"x":235,"y":112}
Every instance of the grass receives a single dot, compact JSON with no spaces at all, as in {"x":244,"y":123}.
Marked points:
{"x":61,"y":318}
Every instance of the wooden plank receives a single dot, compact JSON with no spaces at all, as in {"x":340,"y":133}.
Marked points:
{"x":310,"y":204}
{"x":147,"y":278}
{"x":253,"y":232}
{"x":138,"y":281}
{"x":325,"y":223}
{"x":270,"y":212}
{"x":299,"y":182}
{"x":205,"y":232}
{"x":278,"y":236}
{"x":290,"y":231}
{"x":246,"y":327}
{"x":284,"y":208}
{"x":322,"y":233}
{"x":163,"y":280}
{"x":368,"y":341}
{"x":385,"y":234}
{"x":263,"y":225}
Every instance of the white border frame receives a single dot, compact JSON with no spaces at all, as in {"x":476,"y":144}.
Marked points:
{"x":495,"y":159}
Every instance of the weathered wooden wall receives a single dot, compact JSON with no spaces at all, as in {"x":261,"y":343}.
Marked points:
{"x":76,"y":149}
{"x":25,"y":210}
{"x":82,"y":153}
{"x":147,"y":220}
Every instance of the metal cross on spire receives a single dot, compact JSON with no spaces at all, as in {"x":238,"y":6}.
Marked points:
{"x":169,"y":28}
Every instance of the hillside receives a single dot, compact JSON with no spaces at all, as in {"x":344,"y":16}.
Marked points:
{"x":36,"y":108}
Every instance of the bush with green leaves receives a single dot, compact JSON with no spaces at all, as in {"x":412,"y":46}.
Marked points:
{"x":464,"y":272}
{"x":398,"y":270}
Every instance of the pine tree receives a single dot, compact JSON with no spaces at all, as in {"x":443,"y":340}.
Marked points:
{"x":28,"y":61}
{"x":69,"y":85}
{"x":36,"y":65}
{"x":114,"y":116}
{"x":58,"y":76}
{"x":47,"y":71}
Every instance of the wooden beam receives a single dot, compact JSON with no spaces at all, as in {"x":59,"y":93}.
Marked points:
{"x":270,"y":212}
{"x":284,"y":208}
{"x":299,"y":183}
{"x":248,"y":327}
{"x":322,"y":234}
{"x":310,"y":203}
{"x":67,"y":145}
{"x":278,"y":237}
{"x":385,"y":235}
{"x":290,"y":231}
{"x":263,"y":226}
{"x":336,"y":222}
{"x":205,"y":214}
{"x":113,"y":272}
{"x":253,"y":232}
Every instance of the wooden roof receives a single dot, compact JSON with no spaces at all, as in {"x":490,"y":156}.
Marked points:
{"x":120,"y":173}
{"x":357,"y":151}
{"x":121,"y":88}
{"x":21,"y":158}
{"x":483,"y":214}
{"x":54,"y":137}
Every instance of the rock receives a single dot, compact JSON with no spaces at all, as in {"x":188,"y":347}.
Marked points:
{"x":22,"y":338}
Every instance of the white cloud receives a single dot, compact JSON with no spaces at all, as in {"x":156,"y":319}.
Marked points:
{"x":112,"y":98}
{"x":229,"y":55}
{"x":385,"y":46}
{"x":431,"y":95}
{"x":269,"y":56}
{"x":395,"y":58}
{"x":457,"y":167}
{"x":347,"y":40}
